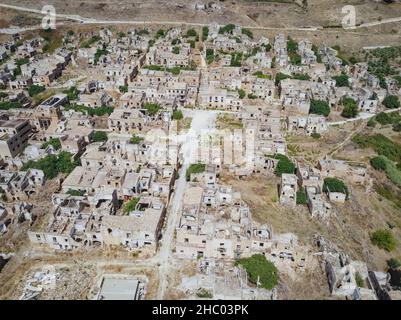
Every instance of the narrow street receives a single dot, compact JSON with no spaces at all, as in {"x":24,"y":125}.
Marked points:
{"x":201,"y":119}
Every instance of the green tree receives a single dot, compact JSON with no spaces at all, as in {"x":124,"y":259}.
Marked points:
{"x":391,"y":102}
{"x":72,"y":93}
{"x":34,"y":90}
{"x":341,"y":80}
{"x":260,"y":270}
{"x":123,"y":89}
{"x":350,"y":109}
{"x":191,"y":33}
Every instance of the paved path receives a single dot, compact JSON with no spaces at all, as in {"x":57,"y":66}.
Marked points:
{"x":362,"y":116}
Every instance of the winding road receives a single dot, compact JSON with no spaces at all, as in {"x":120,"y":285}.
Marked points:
{"x":84,"y":20}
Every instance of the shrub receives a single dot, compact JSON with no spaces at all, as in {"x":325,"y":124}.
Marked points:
{"x":209,"y":55}
{"x":300,"y":76}
{"x":260,"y":269}
{"x":227,"y":28}
{"x":281,"y":76}
{"x":160,"y":34}
{"x":152,"y":108}
{"x":99,"y":136}
{"x":335,"y":185}
{"x":136,"y":139}
{"x":383,"y":118}
{"x":301,"y":196}
{"x":378,"y":163}
{"x":191,"y":33}
{"x":315,"y":135}
{"x":194,"y":168}
{"x":350,"y":108}
{"x":52,"y":165}
{"x":130,"y":205}
{"x":9,"y":105}
{"x":247,"y":32}
{"x":241,"y":93}
{"x":203,"y":293}
{"x":393,"y":263}
{"x":319,"y":107}
{"x":33,"y":90}
{"x":384,"y":239}
{"x":359,"y":281}
{"x":177,"y":115}
{"x":123,"y":89}
{"x":284,"y":165}
{"x":391,"y":102}
{"x":76,"y":193}
{"x":341,"y":80}
{"x":205,"y":33}
{"x":381,"y":144}
{"x":72,"y":93}
{"x":55,"y":142}
{"x":176,"y":50}
{"x":371,"y":123}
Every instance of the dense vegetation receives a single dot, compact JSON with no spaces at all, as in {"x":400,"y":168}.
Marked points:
{"x":284,"y":165}
{"x":75,"y":193}
{"x":194,"y":168}
{"x":177,"y":115}
{"x":292,"y":47}
{"x":34,"y":90}
{"x":384,"y":239}
{"x":319,"y":107}
{"x":152,"y":108}
{"x":136,"y":139}
{"x":99,"y":136}
{"x":260,"y":270}
{"x":205,"y":33}
{"x":247,"y":32}
{"x":55,"y":142}
{"x":72,"y":93}
{"x":52,"y":165}
{"x":335,"y":185}
{"x":100,"y":111}
{"x":130,"y":205}
{"x":350,"y":109}
{"x":380,"y":144}
{"x":391,"y":102}
{"x":341,"y":80}
{"x":174,"y":70}
{"x":301,"y":196}
{"x":382,"y":163}
{"x":227,"y":29}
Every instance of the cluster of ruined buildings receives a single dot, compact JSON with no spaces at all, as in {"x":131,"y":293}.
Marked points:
{"x":216,"y":224}
{"x":128,"y":73}
{"x":311,"y":180}
{"x":354,"y":280}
